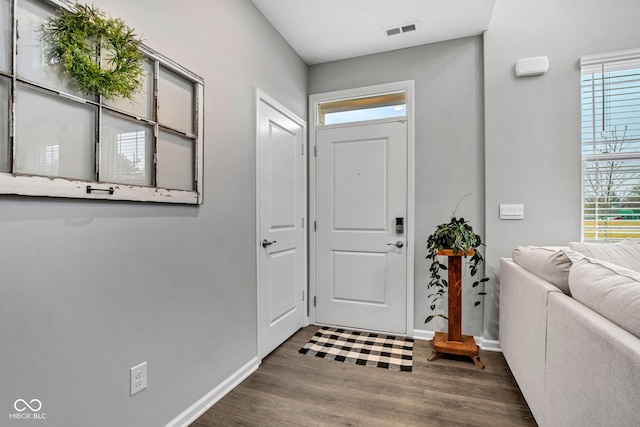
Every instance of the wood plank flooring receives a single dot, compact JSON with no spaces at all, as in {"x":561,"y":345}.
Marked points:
{"x":292,"y":389}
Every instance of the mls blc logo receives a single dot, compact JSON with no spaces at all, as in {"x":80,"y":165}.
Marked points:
{"x":21,"y":405}
{"x":27,"y":410}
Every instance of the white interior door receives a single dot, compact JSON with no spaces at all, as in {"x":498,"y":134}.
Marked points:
{"x":281,"y":217}
{"x":361,"y":258}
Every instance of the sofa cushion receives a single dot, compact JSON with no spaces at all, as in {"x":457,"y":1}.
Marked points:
{"x":608,"y":289}
{"x":550,"y":263}
{"x":625,"y":253}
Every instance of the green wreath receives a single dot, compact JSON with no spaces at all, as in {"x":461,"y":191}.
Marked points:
{"x":74,"y":39}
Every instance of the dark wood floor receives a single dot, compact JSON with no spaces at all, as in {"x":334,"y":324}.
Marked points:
{"x":292,"y":389}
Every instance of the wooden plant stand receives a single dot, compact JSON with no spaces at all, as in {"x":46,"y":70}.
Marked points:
{"x":453,"y":342}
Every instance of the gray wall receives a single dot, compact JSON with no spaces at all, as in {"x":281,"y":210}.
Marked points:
{"x":449,"y":140}
{"x":533,"y":124}
{"x":90,"y":289}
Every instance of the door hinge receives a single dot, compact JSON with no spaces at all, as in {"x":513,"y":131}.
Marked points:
{"x":303,"y":148}
{"x":302,"y":222}
{"x":315,"y":300}
{"x":315,"y":226}
{"x":315,"y":151}
{"x":302,"y":295}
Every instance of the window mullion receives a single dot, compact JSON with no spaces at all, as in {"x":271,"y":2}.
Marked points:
{"x":196,"y":103}
{"x":603,"y":99}
{"x":98,"y":138}
{"x":14,"y":85}
{"x":156,"y":107}
{"x":98,"y":129}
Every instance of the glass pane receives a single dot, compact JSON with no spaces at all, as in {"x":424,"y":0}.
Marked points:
{"x":611,"y":112}
{"x":175,"y":162}
{"x":32,"y":61}
{"x":5,"y":35}
{"x":142,"y":105}
{"x":175,"y":101}
{"x":126,"y":151}
{"x":54,"y":136}
{"x":360,"y":109}
{"x":4,"y":125}
{"x":611,"y":199}
{"x":365,"y":114}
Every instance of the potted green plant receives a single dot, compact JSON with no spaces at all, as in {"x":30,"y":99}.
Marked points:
{"x":458,"y":236}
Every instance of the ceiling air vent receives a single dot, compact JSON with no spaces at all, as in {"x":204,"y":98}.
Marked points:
{"x":401,"y":29}
{"x":407,"y":28}
{"x":393,"y":31}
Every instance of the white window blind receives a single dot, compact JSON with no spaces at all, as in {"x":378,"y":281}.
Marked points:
{"x":610,"y":92}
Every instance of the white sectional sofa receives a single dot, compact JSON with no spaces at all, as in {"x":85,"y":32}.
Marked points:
{"x":570,"y":332}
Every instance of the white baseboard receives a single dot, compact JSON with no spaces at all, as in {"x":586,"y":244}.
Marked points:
{"x":488,"y":345}
{"x":423,"y":335}
{"x":208,"y":400}
{"x":484,"y":344}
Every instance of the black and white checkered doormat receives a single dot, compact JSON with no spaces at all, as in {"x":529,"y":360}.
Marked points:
{"x":361,"y":348}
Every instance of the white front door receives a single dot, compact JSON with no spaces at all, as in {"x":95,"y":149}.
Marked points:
{"x":281,"y":229}
{"x":361,"y":256}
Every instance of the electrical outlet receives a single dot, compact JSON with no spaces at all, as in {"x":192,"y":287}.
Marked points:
{"x":138,"y":376}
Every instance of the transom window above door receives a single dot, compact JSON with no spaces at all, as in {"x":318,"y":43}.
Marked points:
{"x":382,"y":106}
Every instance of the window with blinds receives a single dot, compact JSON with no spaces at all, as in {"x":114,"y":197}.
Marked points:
{"x":610,"y":92}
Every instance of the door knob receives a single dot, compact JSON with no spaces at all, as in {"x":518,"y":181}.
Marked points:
{"x":266,"y":243}
{"x":397,"y":244}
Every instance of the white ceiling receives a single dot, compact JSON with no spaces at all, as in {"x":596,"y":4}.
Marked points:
{"x":328,"y":30}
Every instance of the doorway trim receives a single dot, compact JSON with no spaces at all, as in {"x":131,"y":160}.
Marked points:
{"x":261,"y":96}
{"x":315,"y":100}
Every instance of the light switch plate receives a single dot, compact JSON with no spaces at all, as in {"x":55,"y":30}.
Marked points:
{"x":511,"y":211}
